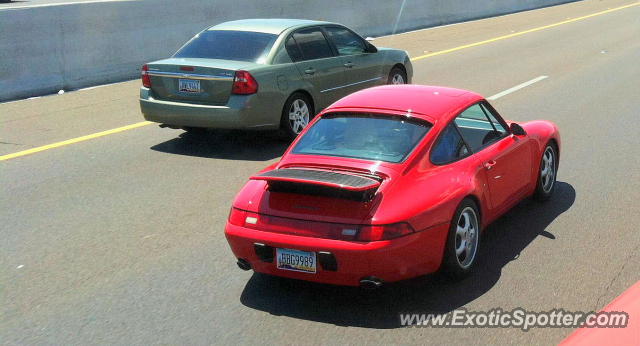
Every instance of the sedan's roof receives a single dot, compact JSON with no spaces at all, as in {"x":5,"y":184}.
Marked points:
{"x":434,"y":102}
{"x":266,"y":25}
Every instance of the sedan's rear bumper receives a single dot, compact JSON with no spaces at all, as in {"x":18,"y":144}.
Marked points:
{"x":241,"y":112}
{"x":391,"y":260}
{"x":409,"y":67}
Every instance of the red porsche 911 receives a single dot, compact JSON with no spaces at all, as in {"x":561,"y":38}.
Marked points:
{"x":390,"y":183}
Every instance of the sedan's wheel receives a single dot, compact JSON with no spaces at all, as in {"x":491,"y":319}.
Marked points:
{"x":463,"y":240}
{"x":296,"y":114}
{"x":547,"y":175}
{"x":397,"y":76}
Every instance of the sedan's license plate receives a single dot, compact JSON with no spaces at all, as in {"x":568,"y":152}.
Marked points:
{"x":296,"y":260}
{"x":189,"y":85}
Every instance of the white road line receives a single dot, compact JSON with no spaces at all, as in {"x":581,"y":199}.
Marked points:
{"x":516,"y":88}
{"x":66,"y":92}
{"x":20,"y":7}
{"x":100,"y":85}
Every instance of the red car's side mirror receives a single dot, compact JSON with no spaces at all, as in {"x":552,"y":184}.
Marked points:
{"x":517,"y":130}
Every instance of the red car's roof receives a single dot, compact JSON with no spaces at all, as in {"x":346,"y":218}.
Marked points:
{"x":428,"y":102}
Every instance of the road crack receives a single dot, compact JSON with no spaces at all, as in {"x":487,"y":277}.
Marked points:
{"x":616,"y":277}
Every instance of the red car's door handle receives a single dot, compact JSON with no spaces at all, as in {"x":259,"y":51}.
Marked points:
{"x":489,"y":164}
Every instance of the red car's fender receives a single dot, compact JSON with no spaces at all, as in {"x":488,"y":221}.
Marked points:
{"x":541,"y":132}
{"x":435,"y":193}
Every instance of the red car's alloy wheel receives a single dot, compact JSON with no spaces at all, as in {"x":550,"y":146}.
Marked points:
{"x":548,"y":170}
{"x":466,"y":242}
{"x":461,"y":248}
{"x":547,"y":173}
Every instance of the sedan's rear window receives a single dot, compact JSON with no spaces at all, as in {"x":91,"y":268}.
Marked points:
{"x":228,"y":45}
{"x":363,"y":136}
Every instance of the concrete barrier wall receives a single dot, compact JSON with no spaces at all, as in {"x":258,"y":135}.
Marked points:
{"x":45,"y":49}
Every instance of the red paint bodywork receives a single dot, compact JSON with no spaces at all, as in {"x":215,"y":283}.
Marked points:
{"x":414,"y":191}
{"x":628,"y":302}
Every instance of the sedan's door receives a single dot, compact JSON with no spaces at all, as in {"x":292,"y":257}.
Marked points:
{"x":363,"y":69}
{"x":318,"y":64}
{"x":505,"y":158}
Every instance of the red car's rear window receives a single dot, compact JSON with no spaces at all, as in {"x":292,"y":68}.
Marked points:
{"x":363,"y":136}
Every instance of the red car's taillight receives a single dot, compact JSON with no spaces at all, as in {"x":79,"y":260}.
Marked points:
{"x":237,"y":217}
{"x":305,"y":228}
{"x":146,"y":80}
{"x":386,"y":232}
{"x":325,"y":230}
{"x":244,"y":83}
{"x":244,"y":218}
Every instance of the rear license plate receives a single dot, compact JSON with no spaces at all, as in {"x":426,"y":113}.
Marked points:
{"x":296,"y":260}
{"x":189,"y":85}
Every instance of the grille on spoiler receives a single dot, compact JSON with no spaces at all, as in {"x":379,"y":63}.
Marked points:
{"x":318,"y":182}
{"x":348,"y":181}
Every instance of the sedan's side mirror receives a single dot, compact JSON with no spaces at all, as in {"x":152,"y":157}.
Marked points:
{"x":517,"y":130}
{"x":371,"y":48}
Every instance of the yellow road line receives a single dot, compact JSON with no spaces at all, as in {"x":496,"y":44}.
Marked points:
{"x":522,"y":32}
{"x":74,"y":140}
{"x":143,"y":123}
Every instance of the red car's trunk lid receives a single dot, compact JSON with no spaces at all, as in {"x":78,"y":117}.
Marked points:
{"x":318,"y":195}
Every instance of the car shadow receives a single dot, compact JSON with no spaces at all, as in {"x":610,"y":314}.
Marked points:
{"x":228,"y":145}
{"x":351,"y":306}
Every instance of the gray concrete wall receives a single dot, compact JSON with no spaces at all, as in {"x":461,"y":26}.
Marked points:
{"x":45,"y":49}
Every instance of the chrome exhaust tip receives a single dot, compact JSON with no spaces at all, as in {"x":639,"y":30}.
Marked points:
{"x":370,"y":283}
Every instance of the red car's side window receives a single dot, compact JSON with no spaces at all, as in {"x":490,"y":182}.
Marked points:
{"x":478,"y":127}
{"x":450,"y":147}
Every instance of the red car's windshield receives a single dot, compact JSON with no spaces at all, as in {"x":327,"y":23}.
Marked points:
{"x":363,"y":136}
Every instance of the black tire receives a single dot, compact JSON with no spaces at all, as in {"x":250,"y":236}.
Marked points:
{"x":458,"y":266}
{"x":290,"y":127}
{"x":545,"y":186}
{"x":395,"y":73}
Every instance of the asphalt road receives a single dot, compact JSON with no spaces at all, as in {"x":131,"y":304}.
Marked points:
{"x":119,"y":239}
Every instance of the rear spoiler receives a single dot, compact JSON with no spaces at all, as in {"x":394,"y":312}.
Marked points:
{"x":320,"y":182}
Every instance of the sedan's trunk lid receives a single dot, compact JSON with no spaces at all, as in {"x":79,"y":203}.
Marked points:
{"x":194,"y":80}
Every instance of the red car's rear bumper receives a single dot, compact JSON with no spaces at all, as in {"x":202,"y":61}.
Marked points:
{"x":390,"y":260}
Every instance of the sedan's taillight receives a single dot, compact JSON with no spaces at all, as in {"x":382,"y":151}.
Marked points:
{"x":385,"y":232}
{"x":146,"y":80}
{"x":244,"y":83}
